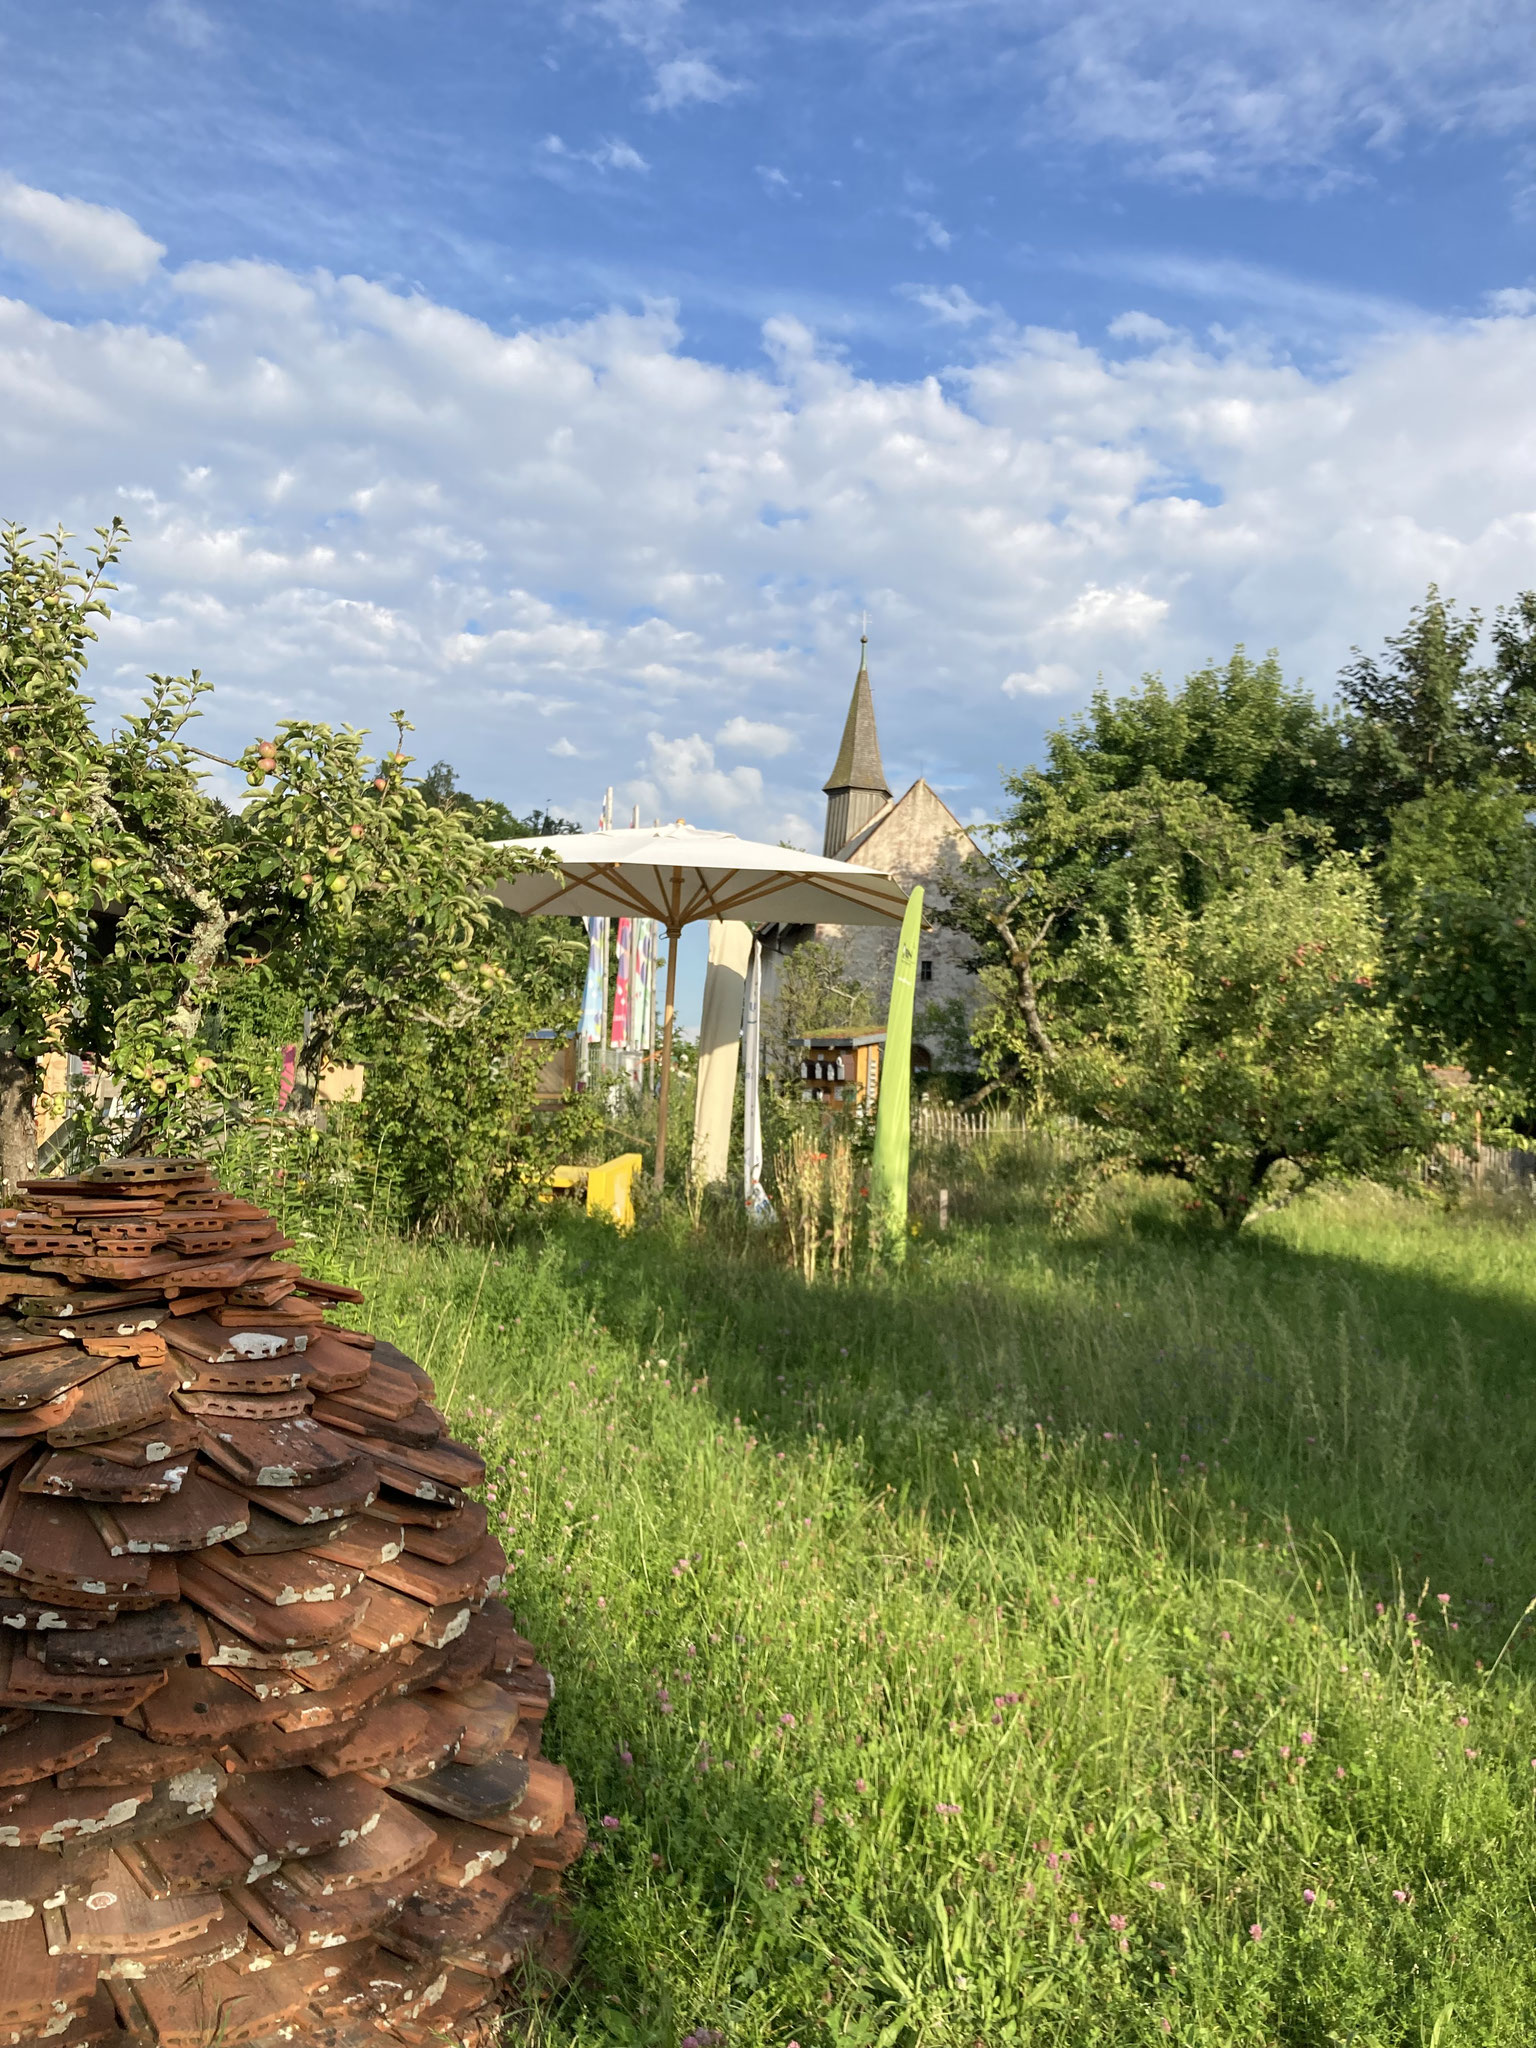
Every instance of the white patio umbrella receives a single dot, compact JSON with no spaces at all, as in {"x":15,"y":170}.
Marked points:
{"x":680,"y":875}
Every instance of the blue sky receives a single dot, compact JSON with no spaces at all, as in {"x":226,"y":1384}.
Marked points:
{"x":576,"y":376}
{"x":1311,"y":168}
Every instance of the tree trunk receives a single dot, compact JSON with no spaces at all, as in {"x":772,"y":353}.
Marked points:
{"x":209,"y":936}
{"x":1020,"y":962}
{"x":18,"y":1122}
{"x":1039,"y":1037}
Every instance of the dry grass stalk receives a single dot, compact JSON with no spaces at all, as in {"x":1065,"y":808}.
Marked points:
{"x":802,"y":1180}
{"x":840,"y":1205}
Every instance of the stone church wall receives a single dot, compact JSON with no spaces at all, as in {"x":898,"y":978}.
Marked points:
{"x":919,"y":841}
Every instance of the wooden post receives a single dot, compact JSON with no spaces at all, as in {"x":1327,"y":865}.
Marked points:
{"x":943,"y":1208}
{"x":673,"y":933}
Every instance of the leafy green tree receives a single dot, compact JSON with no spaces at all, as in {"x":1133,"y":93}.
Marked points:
{"x":816,"y":990}
{"x":104,"y":848}
{"x":1514,"y":654}
{"x":1063,"y":853}
{"x":1444,"y":765}
{"x":155,"y":963}
{"x":355,"y":894}
{"x":1429,"y":714}
{"x":451,"y":1105}
{"x":137,"y":908}
{"x":1242,"y":1048}
{"x":1514,"y":678}
{"x":488,"y":818}
{"x":1459,"y":884}
{"x":1426,"y":713}
{"x":52,"y":814}
{"x":943,"y":1024}
{"x":1239,"y":730}
{"x":367,"y":904}
{"x":1201,"y":997}
{"x":337,"y":888}
{"x":1423,"y":715}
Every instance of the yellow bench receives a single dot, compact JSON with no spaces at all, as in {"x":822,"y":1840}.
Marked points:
{"x":608,"y":1187}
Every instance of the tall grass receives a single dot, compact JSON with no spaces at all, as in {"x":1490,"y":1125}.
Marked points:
{"x":1106,"y":1639}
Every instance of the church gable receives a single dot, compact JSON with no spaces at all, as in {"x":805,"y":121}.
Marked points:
{"x":917,"y":838}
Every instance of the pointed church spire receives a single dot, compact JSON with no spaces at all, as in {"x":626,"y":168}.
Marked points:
{"x":856,"y":788}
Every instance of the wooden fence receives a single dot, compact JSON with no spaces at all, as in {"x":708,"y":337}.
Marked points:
{"x":936,"y":1124}
{"x":1489,"y":1167}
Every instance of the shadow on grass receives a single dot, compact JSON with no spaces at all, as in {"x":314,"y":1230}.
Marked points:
{"x":1357,"y":1375}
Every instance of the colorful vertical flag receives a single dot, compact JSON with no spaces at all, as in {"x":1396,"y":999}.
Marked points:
{"x":594,"y":1002}
{"x":639,"y":983}
{"x":623,"y":983}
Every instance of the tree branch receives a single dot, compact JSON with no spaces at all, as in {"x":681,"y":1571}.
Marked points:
{"x":1020,"y":961}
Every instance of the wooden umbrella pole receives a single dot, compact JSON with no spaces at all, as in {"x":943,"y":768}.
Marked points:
{"x":673,"y":933}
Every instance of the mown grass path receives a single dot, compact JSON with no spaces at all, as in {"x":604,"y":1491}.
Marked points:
{"x":1084,"y":1641}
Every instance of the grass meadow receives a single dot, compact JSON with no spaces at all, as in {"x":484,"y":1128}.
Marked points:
{"x":1105,"y":1639}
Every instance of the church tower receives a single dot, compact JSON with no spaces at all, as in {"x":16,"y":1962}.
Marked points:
{"x":856,"y":787}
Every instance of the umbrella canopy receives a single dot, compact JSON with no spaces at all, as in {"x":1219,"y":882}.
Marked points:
{"x":680,"y":875}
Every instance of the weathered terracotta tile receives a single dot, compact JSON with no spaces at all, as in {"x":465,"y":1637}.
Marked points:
{"x":120,"y":1918}
{"x":199,"y":1513}
{"x":461,"y":1533}
{"x":36,"y":1377}
{"x":352,"y":1491}
{"x":305,"y":1625}
{"x":296,"y":1813}
{"x":130,"y":1647}
{"x":127,"y":1396}
{"x":293,"y":1452}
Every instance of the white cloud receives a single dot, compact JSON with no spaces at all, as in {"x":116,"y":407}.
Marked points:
{"x":1051,"y":679}
{"x":1142,"y":327}
{"x":951,"y":304}
{"x":1206,"y":91}
{"x":756,"y":736}
{"x":612,"y":155}
{"x":1122,"y":610}
{"x":681,"y":76}
{"x":73,"y":239}
{"x":184,"y":23}
{"x":682,"y":777}
{"x":931,"y":233}
{"x":1313,"y":94}
{"x":618,"y":155}
{"x":1286,"y":301}
{"x":345,"y":497}
{"x":683,"y":80}
{"x":1199,"y":92}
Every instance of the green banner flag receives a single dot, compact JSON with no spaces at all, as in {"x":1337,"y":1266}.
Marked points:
{"x":893,"y":1118}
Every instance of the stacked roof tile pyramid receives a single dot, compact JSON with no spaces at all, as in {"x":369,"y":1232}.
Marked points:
{"x":269,"y":1765}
